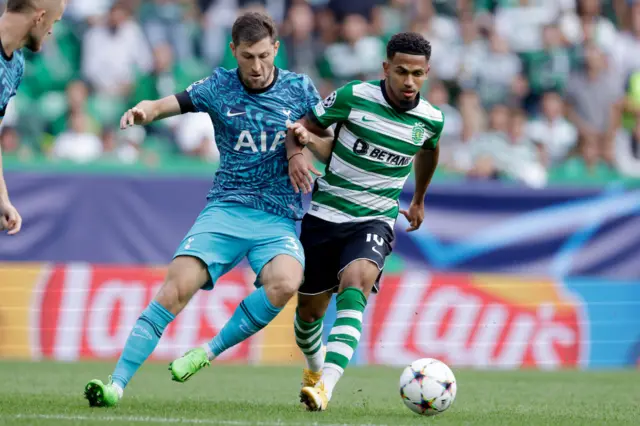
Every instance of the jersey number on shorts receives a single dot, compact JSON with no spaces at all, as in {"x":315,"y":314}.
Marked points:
{"x":293,"y":245}
{"x":377,"y":239}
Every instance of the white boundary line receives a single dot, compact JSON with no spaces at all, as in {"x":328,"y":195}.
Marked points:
{"x":166,"y":420}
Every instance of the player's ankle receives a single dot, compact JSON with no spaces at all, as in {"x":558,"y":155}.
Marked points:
{"x":210,"y":355}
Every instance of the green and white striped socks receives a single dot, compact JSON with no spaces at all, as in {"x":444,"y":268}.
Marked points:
{"x":344,"y":336}
{"x":309,"y":340}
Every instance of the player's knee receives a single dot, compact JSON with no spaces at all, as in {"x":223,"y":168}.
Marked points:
{"x":184,"y":278}
{"x":361,"y":275}
{"x":281,"y":279}
{"x":281,"y":288}
{"x":312,"y":308}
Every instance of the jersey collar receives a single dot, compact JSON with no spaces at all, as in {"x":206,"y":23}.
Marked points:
{"x":276,"y":72}
{"x":416,"y":102}
{"x":4,"y":53}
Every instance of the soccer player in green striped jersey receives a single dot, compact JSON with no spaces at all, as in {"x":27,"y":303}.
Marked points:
{"x":382,"y":130}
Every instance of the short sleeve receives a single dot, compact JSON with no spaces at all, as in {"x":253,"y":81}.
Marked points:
{"x":312,"y":97}
{"x":334,"y":108}
{"x":203,"y":92}
{"x":437,"y":127}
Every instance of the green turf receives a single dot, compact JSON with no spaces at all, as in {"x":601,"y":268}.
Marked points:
{"x":51,"y":394}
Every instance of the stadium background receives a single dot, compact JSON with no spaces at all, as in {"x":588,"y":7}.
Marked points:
{"x":529,"y":253}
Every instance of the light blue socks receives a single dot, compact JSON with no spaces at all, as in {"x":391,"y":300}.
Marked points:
{"x":251,"y":316}
{"x":141,"y":342}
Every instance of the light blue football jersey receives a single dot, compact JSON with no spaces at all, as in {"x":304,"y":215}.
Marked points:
{"x":11,"y":72}
{"x":250,"y":131}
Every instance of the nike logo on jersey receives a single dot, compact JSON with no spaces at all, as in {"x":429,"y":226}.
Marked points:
{"x":234,"y":114}
{"x":366,"y":119}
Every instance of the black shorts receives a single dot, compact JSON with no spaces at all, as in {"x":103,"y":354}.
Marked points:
{"x":330,"y":247}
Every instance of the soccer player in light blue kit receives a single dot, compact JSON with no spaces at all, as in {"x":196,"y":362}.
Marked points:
{"x":251,"y":208}
{"x":24,"y":23}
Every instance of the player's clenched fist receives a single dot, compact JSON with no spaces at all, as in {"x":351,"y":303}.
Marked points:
{"x":302,"y":134}
{"x":10,"y":219}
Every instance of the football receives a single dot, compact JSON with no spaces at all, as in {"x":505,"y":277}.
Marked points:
{"x":428,"y":386}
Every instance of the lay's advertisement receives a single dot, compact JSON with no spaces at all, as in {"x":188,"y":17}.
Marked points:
{"x":81,"y":311}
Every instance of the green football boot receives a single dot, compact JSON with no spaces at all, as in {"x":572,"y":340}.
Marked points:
{"x":100,"y":394}
{"x":188,"y":364}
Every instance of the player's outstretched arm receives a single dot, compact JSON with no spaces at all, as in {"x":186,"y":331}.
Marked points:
{"x":10,"y":219}
{"x":147,"y":112}
{"x":425,"y":164}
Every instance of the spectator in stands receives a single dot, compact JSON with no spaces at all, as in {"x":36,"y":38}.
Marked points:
{"x":522,"y":161}
{"x":439,"y":96}
{"x":627,"y":48}
{"x":298,"y":37}
{"x":498,"y":79}
{"x":470,"y":54}
{"x":89,"y":11}
{"x":9,"y":141}
{"x":555,"y":136}
{"x":588,"y":165}
{"x":547,"y":68}
{"x":113,"y":52}
{"x":592,"y":93}
{"x":521,"y":24}
{"x":168,"y":22}
{"x":587,"y":25}
{"x":77,"y":97}
{"x":489,"y":150}
{"x":357,"y":57}
{"x":195,"y":137}
{"x":122,"y":146}
{"x":78,"y":143}
{"x":443,"y":34}
{"x":457,"y":156}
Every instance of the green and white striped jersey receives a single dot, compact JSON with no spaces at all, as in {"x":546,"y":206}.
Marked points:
{"x":373,"y":154}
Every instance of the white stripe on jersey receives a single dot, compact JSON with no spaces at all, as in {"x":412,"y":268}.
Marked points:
{"x":361,"y":177}
{"x":386,"y":126}
{"x":330,"y":214}
{"x":361,"y":198}
{"x":373,"y":93}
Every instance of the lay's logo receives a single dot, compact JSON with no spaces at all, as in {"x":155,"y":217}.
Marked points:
{"x":87,"y":312}
{"x":477,"y":321}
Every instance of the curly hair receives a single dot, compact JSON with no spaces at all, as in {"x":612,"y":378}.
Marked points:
{"x":410,"y":43}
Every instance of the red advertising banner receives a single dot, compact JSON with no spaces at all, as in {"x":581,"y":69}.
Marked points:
{"x":85,"y":311}
{"x":476,"y":321}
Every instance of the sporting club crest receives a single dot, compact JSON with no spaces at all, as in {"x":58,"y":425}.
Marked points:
{"x":418,"y":132}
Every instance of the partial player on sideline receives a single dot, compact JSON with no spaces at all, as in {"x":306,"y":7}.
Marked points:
{"x":24,"y":23}
{"x":383,"y":129}
{"x":252,"y":207}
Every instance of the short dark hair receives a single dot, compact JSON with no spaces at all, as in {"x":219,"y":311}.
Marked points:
{"x":409,"y":43}
{"x":252,"y":27}
{"x":18,"y":6}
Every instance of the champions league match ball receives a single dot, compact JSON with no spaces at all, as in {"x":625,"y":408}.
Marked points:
{"x":428,"y":387}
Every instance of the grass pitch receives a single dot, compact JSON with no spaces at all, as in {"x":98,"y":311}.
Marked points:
{"x":51,"y":394}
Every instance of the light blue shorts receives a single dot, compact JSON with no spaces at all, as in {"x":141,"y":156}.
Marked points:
{"x":224,"y":233}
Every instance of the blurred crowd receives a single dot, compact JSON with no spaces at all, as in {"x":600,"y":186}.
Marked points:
{"x":532,"y":90}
